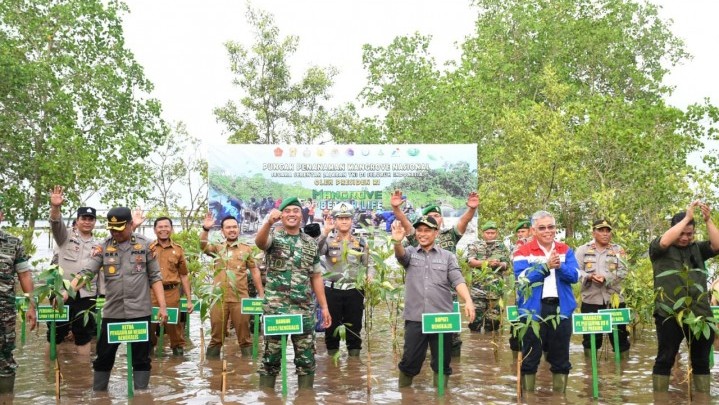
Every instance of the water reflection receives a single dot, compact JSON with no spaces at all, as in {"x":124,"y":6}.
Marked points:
{"x":484,"y":374}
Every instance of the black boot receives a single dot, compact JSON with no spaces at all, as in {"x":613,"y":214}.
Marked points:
{"x":100,"y":380}
{"x":141,"y":379}
{"x":7,"y":384}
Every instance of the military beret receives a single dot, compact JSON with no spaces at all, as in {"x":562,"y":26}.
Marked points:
{"x":428,"y":221}
{"x":431,"y":208}
{"x":523,"y":224}
{"x":118,"y":217}
{"x":290,"y":201}
{"x":602,"y":223}
{"x":489,"y":225}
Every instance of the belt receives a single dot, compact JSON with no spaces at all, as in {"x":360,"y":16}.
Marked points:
{"x":550,"y":301}
{"x":339,"y":286}
{"x":169,"y":286}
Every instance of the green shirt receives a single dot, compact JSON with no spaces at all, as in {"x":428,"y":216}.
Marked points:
{"x":689,"y":260}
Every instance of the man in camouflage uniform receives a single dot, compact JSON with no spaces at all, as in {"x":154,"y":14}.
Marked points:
{"x":293,"y":272}
{"x":602,"y":267}
{"x":130,"y":270}
{"x":492,"y":258}
{"x":12,"y":261}
{"x":173,"y":268}
{"x":346,"y":257}
{"x":235,"y":257}
{"x":447,"y":238}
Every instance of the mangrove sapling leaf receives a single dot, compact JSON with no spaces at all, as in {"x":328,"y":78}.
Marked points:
{"x":667,"y":273}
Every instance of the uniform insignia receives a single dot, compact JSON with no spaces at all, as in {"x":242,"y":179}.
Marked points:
{"x":334,"y":260}
{"x":138,"y":259}
{"x":113,"y":219}
{"x":111,"y":269}
{"x":96,"y":251}
{"x":111,"y":260}
{"x":589,"y":265}
{"x":111,"y":249}
{"x":137,"y":246}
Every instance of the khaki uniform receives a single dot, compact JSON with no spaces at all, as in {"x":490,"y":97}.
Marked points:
{"x":237,"y":258}
{"x":172,"y":266}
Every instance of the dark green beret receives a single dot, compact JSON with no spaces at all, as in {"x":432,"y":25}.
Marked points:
{"x":525,"y":224}
{"x":290,"y":201}
{"x":489,"y":225}
{"x":431,"y":208}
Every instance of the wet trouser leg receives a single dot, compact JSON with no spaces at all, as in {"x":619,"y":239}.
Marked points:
{"x":669,"y":338}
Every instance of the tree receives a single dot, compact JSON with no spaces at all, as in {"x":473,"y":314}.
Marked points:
{"x":565,"y":100}
{"x":73,"y":106}
{"x":177,"y":164}
{"x":272,"y":109}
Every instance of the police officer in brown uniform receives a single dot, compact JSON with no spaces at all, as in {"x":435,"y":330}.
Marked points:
{"x":130,"y":270}
{"x":173,"y":268}
{"x":236,"y":257}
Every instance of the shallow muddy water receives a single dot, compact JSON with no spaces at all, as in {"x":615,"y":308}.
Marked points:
{"x":483,"y":374}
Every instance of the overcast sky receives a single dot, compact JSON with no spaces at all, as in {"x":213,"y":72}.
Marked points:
{"x":180,"y":45}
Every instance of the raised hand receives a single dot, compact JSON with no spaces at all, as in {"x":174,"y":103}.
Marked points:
{"x":398,"y":232}
{"x":396,"y":199}
{"x":209,"y":221}
{"x":473,"y":200}
{"x":56,"y":196}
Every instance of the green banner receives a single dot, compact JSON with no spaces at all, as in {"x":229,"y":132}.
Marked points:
{"x":127,"y":332}
{"x":441,"y":322}
{"x":252,"y":306}
{"x":46,"y":313}
{"x":512,"y":313}
{"x":283,"y":325}
{"x":455,"y":306}
{"x":173,"y":315}
{"x":620,"y":316}
{"x":591,"y":323}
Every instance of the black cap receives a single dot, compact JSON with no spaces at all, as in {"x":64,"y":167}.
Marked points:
{"x":602,"y":223}
{"x":89,"y":211}
{"x":118,"y":217}
{"x":426,"y":220}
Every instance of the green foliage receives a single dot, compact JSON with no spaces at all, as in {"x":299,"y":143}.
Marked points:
{"x":565,"y":101}
{"x":175,"y":163}
{"x":73,"y":109}
{"x":637,"y":295}
{"x":272,"y":109}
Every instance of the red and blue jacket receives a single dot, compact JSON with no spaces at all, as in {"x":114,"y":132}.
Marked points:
{"x":529,"y":261}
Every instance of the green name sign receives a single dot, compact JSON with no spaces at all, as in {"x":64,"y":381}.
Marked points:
{"x":283,"y":325}
{"x":127,"y":332}
{"x":715,"y":312}
{"x":591,"y":323}
{"x":99,"y":302}
{"x":441,"y":322}
{"x":512,"y":313}
{"x":46,"y":313}
{"x":455,"y":306}
{"x":173,"y":314}
{"x":252,"y":306}
{"x":620,"y":316}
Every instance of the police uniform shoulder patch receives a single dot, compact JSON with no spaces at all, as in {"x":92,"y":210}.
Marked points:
{"x":97,"y":250}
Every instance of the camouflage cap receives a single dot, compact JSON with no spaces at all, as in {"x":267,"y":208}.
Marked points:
{"x":428,"y":221}
{"x":489,"y":225}
{"x":118,"y":217}
{"x":431,"y":208}
{"x":290,"y":201}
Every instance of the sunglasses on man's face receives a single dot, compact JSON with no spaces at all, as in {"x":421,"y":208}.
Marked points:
{"x":542,"y":228}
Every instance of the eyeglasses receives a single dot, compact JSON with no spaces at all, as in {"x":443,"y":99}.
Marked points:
{"x":542,"y":228}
